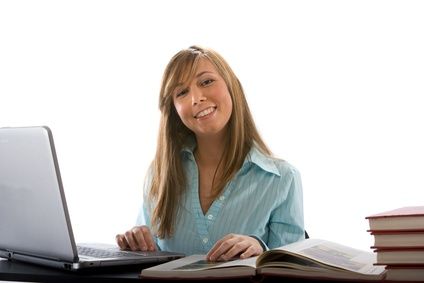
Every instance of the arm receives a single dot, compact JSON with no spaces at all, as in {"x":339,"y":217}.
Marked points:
{"x":286,"y":222}
{"x":140,"y":237}
{"x":284,"y":225}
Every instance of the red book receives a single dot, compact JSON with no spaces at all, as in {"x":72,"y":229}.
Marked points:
{"x":405,"y":273}
{"x":398,"y":239}
{"x":405,"y":218}
{"x":400,"y":256}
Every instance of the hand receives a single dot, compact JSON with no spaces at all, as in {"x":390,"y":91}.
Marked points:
{"x":139,"y":238}
{"x":232,"y":245}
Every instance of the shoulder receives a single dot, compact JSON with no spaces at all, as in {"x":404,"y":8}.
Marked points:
{"x":285,"y":168}
{"x":270,"y":164}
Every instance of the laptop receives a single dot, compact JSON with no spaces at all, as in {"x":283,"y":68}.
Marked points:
{"x":34,"y":220}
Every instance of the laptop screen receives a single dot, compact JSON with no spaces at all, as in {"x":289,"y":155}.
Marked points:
{"x":33,"y":212}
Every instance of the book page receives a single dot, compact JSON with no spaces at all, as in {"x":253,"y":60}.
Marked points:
{"x":200,"y":263}
{"x":196,"y":266}
{"x":335,"y":255}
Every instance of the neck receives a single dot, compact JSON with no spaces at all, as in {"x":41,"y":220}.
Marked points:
{"x":209,"y":150}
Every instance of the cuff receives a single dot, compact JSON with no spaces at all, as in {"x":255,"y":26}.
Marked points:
{"x":264,"y":246}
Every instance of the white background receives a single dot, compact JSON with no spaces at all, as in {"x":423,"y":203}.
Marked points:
{"x":335,"y":88}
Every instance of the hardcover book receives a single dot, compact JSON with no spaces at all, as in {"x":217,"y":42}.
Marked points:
{"x":310,"y":258}
{"x":399,"y":256}
{"x":405,"y":218}
{"x":398,"y":239}
{"x":405,"y":273}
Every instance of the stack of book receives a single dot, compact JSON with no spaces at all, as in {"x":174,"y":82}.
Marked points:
{"x":399,"y":242}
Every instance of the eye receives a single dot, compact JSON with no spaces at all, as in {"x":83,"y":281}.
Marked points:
{"x":181,"y":93}
{"x":206,"y":82}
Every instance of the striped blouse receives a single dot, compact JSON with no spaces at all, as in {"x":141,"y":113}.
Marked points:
{"x":263,"y":200}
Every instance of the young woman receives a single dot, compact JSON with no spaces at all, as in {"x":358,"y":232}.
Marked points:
{"x":213,"y":187}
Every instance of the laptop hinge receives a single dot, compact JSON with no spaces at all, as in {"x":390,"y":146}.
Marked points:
{"x":5,"y":254}
{"x":17,"y":255}
{"x":40,"y":260}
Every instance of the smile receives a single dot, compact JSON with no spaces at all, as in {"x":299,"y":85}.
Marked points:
{"x":205,"y":112}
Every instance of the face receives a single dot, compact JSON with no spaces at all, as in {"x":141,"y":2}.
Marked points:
{"x":204,"y":105}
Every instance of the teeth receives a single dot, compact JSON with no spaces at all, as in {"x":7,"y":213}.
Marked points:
{"x":205,"y":112}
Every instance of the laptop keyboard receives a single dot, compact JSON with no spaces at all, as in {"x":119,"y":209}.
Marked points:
{"x":102,"y":253}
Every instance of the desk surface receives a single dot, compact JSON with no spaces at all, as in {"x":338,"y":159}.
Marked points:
{"x":19,"y":271}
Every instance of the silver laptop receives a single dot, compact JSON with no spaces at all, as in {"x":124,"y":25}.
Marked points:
{"x":34,"y":221}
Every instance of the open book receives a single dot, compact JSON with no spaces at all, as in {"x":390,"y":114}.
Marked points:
{"x":307,"y":258}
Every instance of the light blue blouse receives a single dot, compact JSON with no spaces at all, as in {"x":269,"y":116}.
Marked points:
{"x":264,"y":200}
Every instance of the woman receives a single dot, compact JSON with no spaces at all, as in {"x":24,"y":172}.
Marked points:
{"x":213,"y":186}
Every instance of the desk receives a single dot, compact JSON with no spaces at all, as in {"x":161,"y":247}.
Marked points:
{"x":18,"y":271}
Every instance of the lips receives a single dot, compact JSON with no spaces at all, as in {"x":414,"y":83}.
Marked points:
{"x":205,"y":112}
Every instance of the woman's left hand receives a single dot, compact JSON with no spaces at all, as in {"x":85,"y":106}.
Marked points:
{"x":233,"y":245}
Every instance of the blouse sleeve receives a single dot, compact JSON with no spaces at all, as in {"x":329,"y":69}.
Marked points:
{"x":286,"y":222}
{"x":143,"y":217}
{"x":144,"y":214}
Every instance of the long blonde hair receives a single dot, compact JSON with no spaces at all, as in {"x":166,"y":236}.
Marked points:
{"x":168,"y":183}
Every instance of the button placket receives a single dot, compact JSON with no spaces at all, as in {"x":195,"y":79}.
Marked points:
{"x":200,"y":219}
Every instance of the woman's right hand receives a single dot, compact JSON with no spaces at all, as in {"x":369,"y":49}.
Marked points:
{"x":139,"y":238}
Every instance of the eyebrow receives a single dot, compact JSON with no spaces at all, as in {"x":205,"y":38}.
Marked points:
{"x":202,"y":73}
{"x":197,"y":76}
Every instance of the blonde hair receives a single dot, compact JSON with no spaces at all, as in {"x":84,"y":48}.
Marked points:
{"x":168,"y":183}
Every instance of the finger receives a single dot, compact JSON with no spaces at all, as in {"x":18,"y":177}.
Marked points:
{"x":235,"y":250}
{"x":211,"y":254}
{"x":122,"y":243}
{"x":139,"y":239}
{"x":219,"y":244}
{"x":151,"y":245}
{"x":132,"y":243}
{"x":217,"y":250}
{"x":144,"y":238}
{"x":220,"y":248}
{"x":249,"y":252}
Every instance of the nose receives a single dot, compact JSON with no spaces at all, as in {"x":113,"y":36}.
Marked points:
{"x":197,"y":96}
